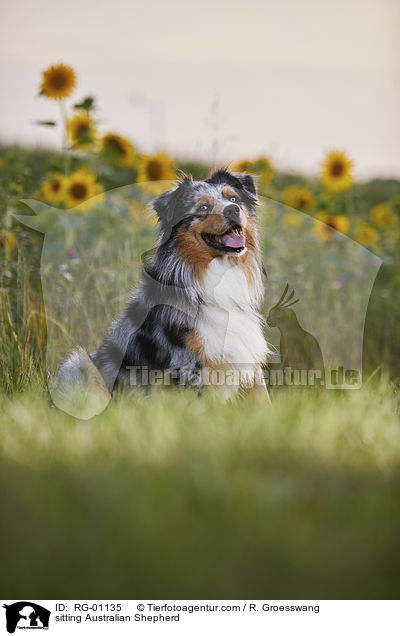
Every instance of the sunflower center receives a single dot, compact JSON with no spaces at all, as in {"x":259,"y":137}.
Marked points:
{"x":55,"y":186}
{"x":331,"y":224}
{"x":154,"y":170}
{"x":115,"y":144}
{"x":79,"y":190}
{"x":337,"y":169}
{"x":301,"y":203}
{"x":58,"y":80}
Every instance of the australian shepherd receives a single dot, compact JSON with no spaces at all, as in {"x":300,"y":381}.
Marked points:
{"x":194,"y":318}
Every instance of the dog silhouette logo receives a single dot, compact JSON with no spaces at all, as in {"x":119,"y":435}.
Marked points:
{"x":299,"y":349}
{"x":26,"y":615}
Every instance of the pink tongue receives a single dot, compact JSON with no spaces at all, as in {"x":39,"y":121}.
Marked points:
{"x":233,"y":240}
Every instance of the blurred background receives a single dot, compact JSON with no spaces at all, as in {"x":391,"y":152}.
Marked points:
{"x":213,"y":80}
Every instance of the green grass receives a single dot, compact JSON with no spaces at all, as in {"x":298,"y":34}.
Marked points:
{"x":172,"y":496}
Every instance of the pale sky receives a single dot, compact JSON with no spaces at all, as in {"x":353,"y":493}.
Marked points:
{"x":217,"y":80}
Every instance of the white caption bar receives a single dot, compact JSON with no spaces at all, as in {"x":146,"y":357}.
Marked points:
{"x":280,"y":618}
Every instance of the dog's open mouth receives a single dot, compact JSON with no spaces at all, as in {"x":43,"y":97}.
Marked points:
{"x":231,"y":241}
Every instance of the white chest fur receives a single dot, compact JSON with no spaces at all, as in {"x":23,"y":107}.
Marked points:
{"x":228,"y":323}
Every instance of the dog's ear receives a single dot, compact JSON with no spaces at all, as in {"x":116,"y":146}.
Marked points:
{"x":248,"y":185}
{"x":169,"y":205}
{"x":165,"y":206}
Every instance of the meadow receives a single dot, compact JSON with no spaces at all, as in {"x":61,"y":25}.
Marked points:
{"x":176,"y":497}
{"x":170,"y":495}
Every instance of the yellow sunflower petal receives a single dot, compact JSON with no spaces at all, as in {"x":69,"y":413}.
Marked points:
{"x":366,"y":234}
{"x":325,"y":229}
{"x":8,"y":240}
{"x":53,"y":190}
{"x":245,"y":165}
{"x":382,"y":216}
{"x":292,"y":220}
{"x":322,"y":231}
{"x":11,"y":241}
{"x":154,"y":171}
{"x":264,"y":168}
{"x":81,"y":131}
{"x":340,"y":222}
{"x":118,"y":150}
{"x":141,"y":215}
{"x":299,"y":198}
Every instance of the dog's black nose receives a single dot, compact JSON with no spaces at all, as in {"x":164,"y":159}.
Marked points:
{"x":232,"y":212}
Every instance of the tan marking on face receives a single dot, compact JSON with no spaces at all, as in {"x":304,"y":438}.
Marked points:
{"x":205,"y":199}
{"x":192,"y":247}
{"x":227,"y":193}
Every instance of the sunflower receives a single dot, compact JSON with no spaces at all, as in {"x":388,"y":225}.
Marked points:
{"x":339,"y":222}
{"x":53,"y":190}
{"x":299,"y":198}
{"x":396,"y":204}
{"x":337,"y":172}
{"x":82,"y":191}
{"x":99,"y":194}
{"x":325,"y":230}
{"x":58,"y":81}
{"x":245,"y":165}
{"x":265,"y":169}
{"x":382,"y":216}
{"x":118,"y":150}
{"x":8,"y":240}
{"x":153,"y":171}
{"x":261,"y":166}
{"x":141,"y":216}
{"x":292,"y":220}
{"x":81,"y":131}
{"x":366,"y":234}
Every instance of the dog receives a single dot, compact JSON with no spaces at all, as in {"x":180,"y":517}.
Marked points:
{"x":194,"y":317}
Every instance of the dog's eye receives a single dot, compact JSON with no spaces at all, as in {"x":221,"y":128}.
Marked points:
{"x":204,"y":207}
{"x":233,"y":199}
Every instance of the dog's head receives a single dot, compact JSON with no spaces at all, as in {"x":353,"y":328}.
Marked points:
{"x":210,"y":218}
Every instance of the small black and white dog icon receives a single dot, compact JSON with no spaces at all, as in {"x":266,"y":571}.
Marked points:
{"x":31,"y":615}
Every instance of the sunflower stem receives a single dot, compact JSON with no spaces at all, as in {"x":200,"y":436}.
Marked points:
{"x":64,"y":140}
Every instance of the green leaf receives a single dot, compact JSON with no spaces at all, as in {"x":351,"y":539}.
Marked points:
{"x":87,"y":104}
{"x":45,"y":123}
